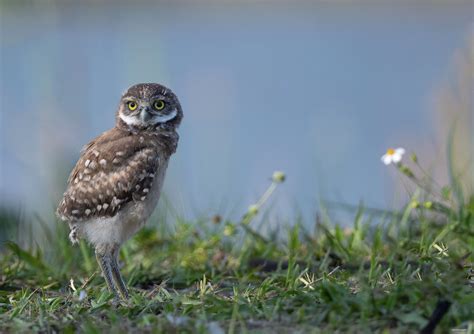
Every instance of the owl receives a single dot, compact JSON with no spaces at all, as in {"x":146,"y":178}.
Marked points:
{"x":116,"y":184}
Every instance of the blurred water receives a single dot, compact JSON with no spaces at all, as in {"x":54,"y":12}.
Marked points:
{"x":318,"y":91}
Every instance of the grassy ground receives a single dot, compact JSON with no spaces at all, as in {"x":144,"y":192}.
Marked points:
{"x":390,"y":272}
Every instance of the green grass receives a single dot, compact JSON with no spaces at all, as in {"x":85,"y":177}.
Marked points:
{"x":388,"y":272}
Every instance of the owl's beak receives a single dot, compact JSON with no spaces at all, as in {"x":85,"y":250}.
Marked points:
{"x":145,"y":115}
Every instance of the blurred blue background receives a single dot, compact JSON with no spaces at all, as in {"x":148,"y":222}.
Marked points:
{"x":317,"y":90}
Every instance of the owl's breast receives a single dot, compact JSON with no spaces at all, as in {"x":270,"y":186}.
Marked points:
{"x":149,"y":204}
{"x":135,"y":214}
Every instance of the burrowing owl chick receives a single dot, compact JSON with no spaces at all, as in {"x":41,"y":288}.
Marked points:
{"x":117,"y":181}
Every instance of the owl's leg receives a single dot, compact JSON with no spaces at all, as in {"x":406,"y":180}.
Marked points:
{"x":104,"y":258}
{"x":120,"y":285}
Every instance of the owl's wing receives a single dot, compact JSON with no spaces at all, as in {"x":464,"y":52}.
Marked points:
{"x":113,"y":169}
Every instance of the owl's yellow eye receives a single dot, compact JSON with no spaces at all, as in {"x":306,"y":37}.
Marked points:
{"x":159,"y":104}
{"x":132,"y":105}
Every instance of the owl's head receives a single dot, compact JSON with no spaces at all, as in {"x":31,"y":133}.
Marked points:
{"x":149,"y":106}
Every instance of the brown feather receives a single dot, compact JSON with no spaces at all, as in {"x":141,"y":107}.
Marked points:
{"x":114,"y":169}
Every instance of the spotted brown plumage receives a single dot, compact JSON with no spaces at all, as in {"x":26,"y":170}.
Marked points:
{"x":114,"y":169}
{"x":116,"y":184}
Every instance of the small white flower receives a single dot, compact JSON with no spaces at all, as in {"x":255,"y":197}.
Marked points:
{"x":393,"y":155}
